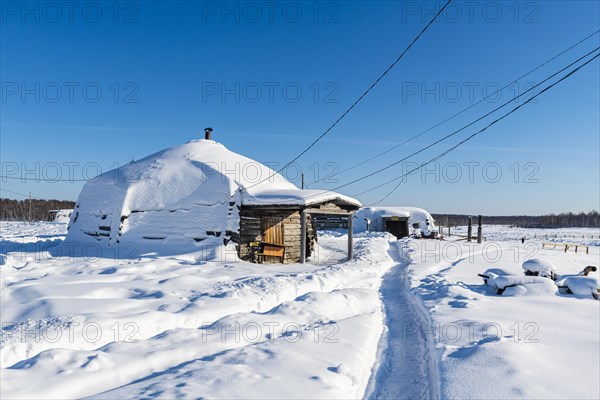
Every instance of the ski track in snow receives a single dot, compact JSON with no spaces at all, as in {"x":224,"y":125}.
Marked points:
{"x":406,"y":369}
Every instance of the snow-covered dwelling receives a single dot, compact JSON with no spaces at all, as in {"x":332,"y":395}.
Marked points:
{"x":399,"y":221}
{"x":197,"y":195}
{"x":62,"y":215}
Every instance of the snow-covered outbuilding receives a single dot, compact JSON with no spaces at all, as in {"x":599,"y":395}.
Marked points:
{"x":62,"y":215}
{"x":399,"y":221}
{"x":197,"y":195}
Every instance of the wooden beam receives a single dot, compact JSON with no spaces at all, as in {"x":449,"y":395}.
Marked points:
{"x":350,"y":249}
{"x":303,"y":237}
{"x":327,"y":211}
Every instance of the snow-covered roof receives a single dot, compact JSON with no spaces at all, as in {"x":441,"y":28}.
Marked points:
{"x":298,"y":197}
{"x":186,"y":190}
{"x":398,"y":211}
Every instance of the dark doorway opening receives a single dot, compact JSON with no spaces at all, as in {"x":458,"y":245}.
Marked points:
{"x":398,"y":228}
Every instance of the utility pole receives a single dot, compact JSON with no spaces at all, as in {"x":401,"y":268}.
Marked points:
{"x":303,"y":181}
{"x":479,"y":228}
{"x":29,"y":206}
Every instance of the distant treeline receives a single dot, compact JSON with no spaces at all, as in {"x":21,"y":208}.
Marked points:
{"x":18,"y":210}
{"x":563,"y":220}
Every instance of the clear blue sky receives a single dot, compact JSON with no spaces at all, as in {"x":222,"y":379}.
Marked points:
{"x":162,"y":67}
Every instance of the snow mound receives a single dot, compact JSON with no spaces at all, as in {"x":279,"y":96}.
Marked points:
{"x":540,"y":267}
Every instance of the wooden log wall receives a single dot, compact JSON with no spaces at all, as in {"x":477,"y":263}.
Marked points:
{"x":251,"y":230}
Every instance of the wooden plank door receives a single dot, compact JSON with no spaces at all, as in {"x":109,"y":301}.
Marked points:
{"x":272,"y":232}
{"x":272,"y":229}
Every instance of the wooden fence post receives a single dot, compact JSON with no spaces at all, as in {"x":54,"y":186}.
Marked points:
{"x":479,"y":228}
{"x":302,"y":237}
{"x":350,"y":248}
{"x":469,"y":229}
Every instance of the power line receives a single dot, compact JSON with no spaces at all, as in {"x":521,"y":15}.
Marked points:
{"x":361,"y":96}
{"x":447,"y":136}
{"x":426,"y":147}
{"x":315,"y":141}
{"x":466,"y":109}
{"x":475,"y":134}
{"x":455,"y":132}
{"x":24,"y":178}
{"x":464,"y":127}
{"x":17,"y":193}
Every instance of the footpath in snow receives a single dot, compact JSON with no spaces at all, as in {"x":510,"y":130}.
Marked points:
{"x":406,"y":367}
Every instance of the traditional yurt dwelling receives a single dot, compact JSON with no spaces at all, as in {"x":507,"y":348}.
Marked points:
{"x":201,"y":194}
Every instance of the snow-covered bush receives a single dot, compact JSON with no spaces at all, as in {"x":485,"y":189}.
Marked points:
{"x":582,"y":286}
{"x":579,"y":285}
{"x":538,"y":267}
{"x":510,"y":285}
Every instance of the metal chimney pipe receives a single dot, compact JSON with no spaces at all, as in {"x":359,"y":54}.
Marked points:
{"x":207,"y":132}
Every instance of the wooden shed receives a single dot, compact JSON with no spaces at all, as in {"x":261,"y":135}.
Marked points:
{"x":288,"y":222}
{"x":399,"y":221}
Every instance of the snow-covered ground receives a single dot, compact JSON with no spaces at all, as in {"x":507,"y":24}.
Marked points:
{"x":184,"y":327}
{"x":532,"y":342}
{"x":584,"y":236}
